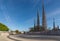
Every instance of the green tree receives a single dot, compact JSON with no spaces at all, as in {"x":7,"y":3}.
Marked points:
{"x":32,"y":29}
{"x":17,"y":31}
{"x":3,"y":27}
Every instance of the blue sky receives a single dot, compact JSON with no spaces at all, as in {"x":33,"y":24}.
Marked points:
{"x":20,"y":14}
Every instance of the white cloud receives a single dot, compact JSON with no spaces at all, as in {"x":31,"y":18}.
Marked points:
{"x":53,"y":13}
{"x":7,"y":18}
{"x":48,"y":1}
{"x":36,"y":3}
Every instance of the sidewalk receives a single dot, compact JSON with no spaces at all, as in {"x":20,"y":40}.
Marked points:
{"x":3,"y":37}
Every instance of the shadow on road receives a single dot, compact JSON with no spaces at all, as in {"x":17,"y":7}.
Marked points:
{"x":13,"y":39}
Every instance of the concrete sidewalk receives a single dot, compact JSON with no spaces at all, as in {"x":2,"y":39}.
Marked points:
{"x":3,"y":37}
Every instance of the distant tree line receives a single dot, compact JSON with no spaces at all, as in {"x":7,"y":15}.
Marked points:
{"x":32,"y":29}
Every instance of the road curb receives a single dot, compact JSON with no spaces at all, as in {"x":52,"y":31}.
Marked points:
{"x":12,"y":38}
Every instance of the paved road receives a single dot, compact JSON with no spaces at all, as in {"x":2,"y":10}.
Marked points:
{"x":6,"y":37}
{"x":28,"y":39}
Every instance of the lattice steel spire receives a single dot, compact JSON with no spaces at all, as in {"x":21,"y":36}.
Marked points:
{"x":44,"y":24}
{"x":38,"y":20}
{"x":53,"y":23}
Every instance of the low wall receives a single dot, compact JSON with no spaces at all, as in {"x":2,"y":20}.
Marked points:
{"x":45,"y":33}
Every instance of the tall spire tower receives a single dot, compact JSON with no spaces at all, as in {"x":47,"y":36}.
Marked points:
{"x":53,"y":24}
{"x":44,"y":25}
{"x":38,"y":21}
{"x":34,"y":25}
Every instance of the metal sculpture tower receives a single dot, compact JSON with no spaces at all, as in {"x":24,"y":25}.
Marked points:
{"x":38,"y":21}
{"x":44,"y":24}
{"x":34,"y":26}
{"x":53,"y":24}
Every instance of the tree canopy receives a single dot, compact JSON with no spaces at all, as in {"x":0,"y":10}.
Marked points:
{"x":3,"y":27}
